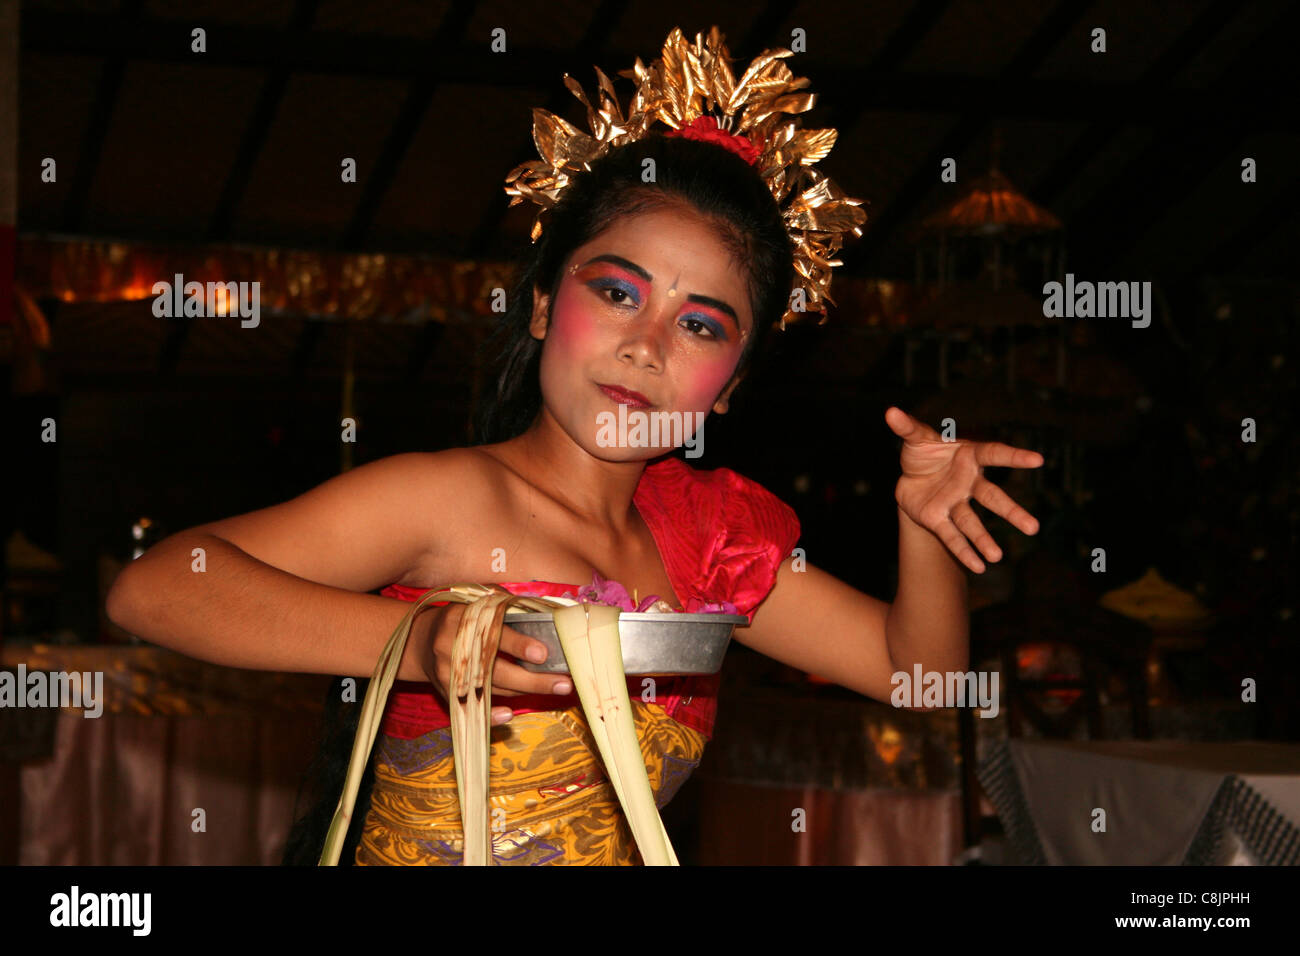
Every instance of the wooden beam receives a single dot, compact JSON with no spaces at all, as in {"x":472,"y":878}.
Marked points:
{"x":258,"y":128}
{"x":92,"y":137}
{"x":602,"y":24}
{"x":424,"y":84}
{"x":883,"y":87}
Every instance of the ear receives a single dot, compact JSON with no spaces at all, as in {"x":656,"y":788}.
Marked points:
{"x":724,"y":400}
{"x":538,"y":324}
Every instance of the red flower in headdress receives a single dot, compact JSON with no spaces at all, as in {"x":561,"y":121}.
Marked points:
{"x":706,"y":129}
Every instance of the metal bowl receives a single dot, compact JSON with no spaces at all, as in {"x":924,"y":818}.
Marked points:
{"x":669,"y":643}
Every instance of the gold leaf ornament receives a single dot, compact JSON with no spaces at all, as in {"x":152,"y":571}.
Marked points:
{"x":693,"y":80}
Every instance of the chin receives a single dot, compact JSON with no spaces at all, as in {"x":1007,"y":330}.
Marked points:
{"x":617,"y":454}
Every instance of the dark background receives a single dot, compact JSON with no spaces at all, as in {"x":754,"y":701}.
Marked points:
{"x":1137,"y":151}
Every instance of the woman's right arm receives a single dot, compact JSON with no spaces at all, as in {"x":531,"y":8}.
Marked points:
{"x":282,"y":588}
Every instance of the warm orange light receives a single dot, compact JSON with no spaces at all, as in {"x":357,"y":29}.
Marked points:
{"x":136,"y":291}
{"x":888,"y":741}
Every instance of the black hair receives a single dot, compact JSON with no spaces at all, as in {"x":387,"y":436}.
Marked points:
{"x":694,"y":176}
{"x":324,"y":778}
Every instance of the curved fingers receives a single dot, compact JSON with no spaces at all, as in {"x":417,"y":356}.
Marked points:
{"x":517,"y":644}
{"x":963,"y":515}
{"x":958,"y":545}
{"x":1001,"y":503}
{"x":511,"y":680}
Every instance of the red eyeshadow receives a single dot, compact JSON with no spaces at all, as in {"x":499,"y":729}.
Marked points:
{"x":597,"y":269}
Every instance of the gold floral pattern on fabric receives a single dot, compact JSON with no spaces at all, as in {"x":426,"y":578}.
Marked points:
{"x":550,"y":803}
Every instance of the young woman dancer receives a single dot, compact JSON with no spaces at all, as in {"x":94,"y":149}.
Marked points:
{"x":653,"y":293}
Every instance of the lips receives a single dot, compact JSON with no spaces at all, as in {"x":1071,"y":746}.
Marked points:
{"x":625,"y":396}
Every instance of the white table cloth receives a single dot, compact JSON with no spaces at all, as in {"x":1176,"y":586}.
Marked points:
{"x":1164,"y":801}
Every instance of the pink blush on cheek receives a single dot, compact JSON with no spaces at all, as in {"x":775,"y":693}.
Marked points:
{"x":573,"y":328}
{"x":703,"y":388}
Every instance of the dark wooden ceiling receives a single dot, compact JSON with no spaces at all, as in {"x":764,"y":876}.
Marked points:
{"x":1136,"y":150}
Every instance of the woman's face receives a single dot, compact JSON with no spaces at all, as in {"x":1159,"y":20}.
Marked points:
{"x":653,"y":305}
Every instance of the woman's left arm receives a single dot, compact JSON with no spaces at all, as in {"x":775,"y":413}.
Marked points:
{"x":929,"y":621}
{"x":821,"y":625}
{"x":815,"y":622}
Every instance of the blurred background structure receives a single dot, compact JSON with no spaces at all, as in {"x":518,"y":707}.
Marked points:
{"x":1163,"y":575}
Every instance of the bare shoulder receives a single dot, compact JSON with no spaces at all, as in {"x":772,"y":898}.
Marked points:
{"x":447,"y":491}
{"x":454,"y":471}
{"x":470,"y":477}
{"x":463,"y":500}
{"x":449,"y":464}
{"x":370,"y":526}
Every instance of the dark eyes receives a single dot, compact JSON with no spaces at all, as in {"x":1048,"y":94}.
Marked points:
{"x":624,"y":297}
{"x":701,"y":325}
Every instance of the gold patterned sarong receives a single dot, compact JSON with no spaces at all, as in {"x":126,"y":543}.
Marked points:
{"x":550,"y":800}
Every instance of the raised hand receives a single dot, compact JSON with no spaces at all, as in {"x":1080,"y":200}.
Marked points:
{"x":941,"y":477}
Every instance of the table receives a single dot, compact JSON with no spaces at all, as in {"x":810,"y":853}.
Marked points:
{"x":1165,"y":802}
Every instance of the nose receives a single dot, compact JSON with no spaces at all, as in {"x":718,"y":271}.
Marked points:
{"x":644,"y":343}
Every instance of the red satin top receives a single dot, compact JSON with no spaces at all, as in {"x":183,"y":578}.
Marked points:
{"x":721,"y":537}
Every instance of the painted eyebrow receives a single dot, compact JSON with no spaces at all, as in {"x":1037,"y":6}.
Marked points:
{"x":637,"y":270}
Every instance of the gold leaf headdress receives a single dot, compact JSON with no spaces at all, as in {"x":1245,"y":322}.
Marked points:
{"x":686,"y":89}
